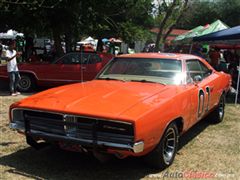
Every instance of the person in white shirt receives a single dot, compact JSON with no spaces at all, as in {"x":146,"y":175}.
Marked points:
{"x":12,"y":68}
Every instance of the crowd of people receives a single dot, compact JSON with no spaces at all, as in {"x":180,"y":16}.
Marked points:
{"x":220,"y":59}
{"x":226,"y":60}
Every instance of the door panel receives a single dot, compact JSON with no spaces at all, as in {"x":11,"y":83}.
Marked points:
{"x":203,"y":90}
{"x":65,"y":70}
{"x":72,"y":67}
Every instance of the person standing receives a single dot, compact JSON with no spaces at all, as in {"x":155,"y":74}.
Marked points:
{"x":1,"y":49}
{"x":215,"y":58}
{"x":12,"y":68}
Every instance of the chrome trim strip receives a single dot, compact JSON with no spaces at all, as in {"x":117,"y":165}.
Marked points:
{"x":39,"y":133}
{"x":138,"y":147}
{"x":28,"y":71}
{"x":16,"y":126}
{"x":100,"y":143}
{"x":65,"y":114}
{"x":115,"y":145}
{"x":32,"y":110}
{"x":3,"y":76}
{"x":62,"y":80}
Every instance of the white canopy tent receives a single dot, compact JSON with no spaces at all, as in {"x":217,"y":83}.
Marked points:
{"x":89,"y":40}
{"x":10,"y":34}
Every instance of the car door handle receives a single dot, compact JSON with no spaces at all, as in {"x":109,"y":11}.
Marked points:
{"x":83,"y":68}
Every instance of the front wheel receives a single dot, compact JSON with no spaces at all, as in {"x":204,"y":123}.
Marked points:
{"x":26,"y":83}
{"x":163,"y":155}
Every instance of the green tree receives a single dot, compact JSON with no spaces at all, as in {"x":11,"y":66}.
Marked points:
{"x":74,"y":19}
{"x":204,"y":12}
{"x":229,"y":11}
{"x":127,"y":19}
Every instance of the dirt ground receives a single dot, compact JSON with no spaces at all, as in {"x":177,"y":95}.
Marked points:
{"x":207,"y":150}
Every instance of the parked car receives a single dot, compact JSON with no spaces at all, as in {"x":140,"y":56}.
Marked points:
{"x":137,"y":106}
{"x":72,"y":67}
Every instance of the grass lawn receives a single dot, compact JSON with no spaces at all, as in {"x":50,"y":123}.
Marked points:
{"x":209,"y":149}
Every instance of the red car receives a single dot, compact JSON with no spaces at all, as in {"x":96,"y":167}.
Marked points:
{"x":70,"y":68}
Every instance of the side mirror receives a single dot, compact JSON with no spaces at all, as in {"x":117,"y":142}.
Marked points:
{"x":210,"y":71}
{"x":197,"y":78}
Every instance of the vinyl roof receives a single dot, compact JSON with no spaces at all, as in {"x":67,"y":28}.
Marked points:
{"x":160,"y":55}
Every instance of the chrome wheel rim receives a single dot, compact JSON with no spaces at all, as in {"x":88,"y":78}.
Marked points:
{"x":169,"y":145}
{"x":24,"y":83}
{"x":221,"y":108}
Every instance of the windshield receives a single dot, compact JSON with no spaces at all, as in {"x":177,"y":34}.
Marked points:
{"x":164,"y":71}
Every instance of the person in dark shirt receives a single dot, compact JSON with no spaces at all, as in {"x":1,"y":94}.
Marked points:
{"x":214,"y":56}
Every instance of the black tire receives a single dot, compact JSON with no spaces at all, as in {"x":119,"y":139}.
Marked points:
{"x":218,"y":114}
{"x":26,"y":83}
{"x":162,"y":156}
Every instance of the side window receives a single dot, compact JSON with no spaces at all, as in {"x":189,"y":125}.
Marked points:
{"x":93,"y":58}
{"x":79,"y":58}
{"x":89,"y":58}
{"x":193,"y":70}
{"x":72,"y":58}
{"x":205,"y":71}
{"x":84,"y":58}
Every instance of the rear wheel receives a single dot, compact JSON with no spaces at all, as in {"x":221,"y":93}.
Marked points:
{"x":218,"y":114}
{"x":163,"y":155}
{"x":26,"y":83}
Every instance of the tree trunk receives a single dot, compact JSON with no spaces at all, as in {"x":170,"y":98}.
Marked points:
{"x":57,"y":44}
{"x":99,"y":45}
{"x":68,"y":41}
{"x":162,"y":25}
{"x":177,"y":21}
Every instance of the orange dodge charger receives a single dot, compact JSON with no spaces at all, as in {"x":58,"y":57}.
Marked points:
{"x":138,"y":105}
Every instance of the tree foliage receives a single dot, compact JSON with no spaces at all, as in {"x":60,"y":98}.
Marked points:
{"x":74,"y":19}
{"x":202,"y":12}
{"x":229,"y":11}
{"x":128,"y":19}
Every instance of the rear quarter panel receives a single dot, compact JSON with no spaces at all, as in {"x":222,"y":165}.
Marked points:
{"x":224,"y":82}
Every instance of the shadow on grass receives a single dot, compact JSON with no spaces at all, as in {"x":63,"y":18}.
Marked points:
{"x":4,"y":89}
{"x":193,"y":132}
{"x":7,"y":93}
{"x":231,"y":97}
{"x":201,"y":126}
{"x":53,"y":163}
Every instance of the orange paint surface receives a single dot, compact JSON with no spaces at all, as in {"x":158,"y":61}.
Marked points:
{"x":149,"y":106}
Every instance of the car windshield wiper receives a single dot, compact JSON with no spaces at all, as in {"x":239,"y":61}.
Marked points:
{"x":147,"y":81}
{"x":108,"y":78}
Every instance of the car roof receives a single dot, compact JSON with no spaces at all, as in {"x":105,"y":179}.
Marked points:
{"x":174,"y":56}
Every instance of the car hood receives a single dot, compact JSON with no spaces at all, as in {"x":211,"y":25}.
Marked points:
{"x":98,"y":98}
